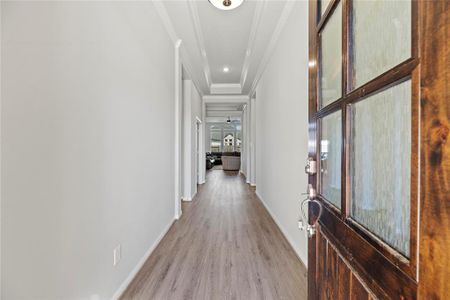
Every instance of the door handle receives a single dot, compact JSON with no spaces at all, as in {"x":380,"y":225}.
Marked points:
{"x":303,"y":223}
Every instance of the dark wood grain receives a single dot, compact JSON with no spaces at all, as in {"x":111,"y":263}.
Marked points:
{"x":225,"y":246}
{"x":336,"y":280}
{"x":357,"y":290}
{"x":321,"y":266}
{"x":344,"y":276}
{"x":363,"y":259}
{"x":312,"y":131}
{"x":386,"y":272}
{"x":435,"y":151}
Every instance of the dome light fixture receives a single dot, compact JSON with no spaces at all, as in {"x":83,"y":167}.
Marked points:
{"x":226,"y":4}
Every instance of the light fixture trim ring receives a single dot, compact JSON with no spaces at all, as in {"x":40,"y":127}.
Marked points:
{"x":222,"y":4}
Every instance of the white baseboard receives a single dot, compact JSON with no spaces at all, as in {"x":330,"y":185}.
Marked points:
{"x":252,"y":184}
{"x":189,"y":199}
{"x":140,"y":263}
{"x":178,"y":215}
{"x":288,"y":238}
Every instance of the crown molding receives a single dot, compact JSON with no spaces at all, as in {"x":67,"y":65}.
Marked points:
{"x":271,"y":46}
{"x":223,"y":120}
{"x":224,"y":99}
{"x":164,"y":16}
{"x":224,"y":113}
{"x":193,"y":10}
{"x":167,"y":23}
{"x":260,"y":7}
{"x":226,"y":88}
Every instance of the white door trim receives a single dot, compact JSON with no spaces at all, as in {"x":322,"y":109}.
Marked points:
{"x":178,"y":118}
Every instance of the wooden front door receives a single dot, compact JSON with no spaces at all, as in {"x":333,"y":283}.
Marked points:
{"x":379,"y":123}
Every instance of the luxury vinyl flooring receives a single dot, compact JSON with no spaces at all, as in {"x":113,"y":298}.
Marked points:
{"x":225,"y":246}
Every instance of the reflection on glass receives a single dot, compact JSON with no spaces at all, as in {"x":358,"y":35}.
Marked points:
{"x":331,"y":59}
{"x":380,"y":158}
{"x":330,"y":158}
{"x":381,"y":37}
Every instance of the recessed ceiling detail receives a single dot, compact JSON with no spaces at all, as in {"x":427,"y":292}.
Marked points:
{"x":240,"y":40}
{"x":226,"y":88}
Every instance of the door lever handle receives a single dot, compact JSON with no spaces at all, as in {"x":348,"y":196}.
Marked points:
{"x":303,"y":223}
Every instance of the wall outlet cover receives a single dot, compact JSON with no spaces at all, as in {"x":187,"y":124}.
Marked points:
{"x":117,"y":255}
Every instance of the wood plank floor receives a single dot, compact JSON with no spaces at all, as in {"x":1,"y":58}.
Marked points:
{"x":225,"y":246}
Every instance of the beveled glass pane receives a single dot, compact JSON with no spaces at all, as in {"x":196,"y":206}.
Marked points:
{"x":380,"y":159}
{"x":323,"y":5}
{"x":381,"y":37}
{"x":330,"y":158}
{"x":331,"y":59}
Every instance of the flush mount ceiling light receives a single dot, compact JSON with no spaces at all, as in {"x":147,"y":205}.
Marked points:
{"x":226,"y":69}
{"x":226,"y":4}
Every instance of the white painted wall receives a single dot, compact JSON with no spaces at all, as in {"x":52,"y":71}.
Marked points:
{"x":282,"y":114}
{"x":192,"y":110}
{"x":244,"y":152}
{"x":178,"y":119}
{"x":247,"y":142}
{"x":253,"y":141}
{"x":87,"y":144}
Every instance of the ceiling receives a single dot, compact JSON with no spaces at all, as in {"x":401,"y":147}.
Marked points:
{"x":220,"y":112}
{"x":240,"y":39}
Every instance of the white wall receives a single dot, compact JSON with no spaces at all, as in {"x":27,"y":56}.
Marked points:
{"x":244,"y":152}
{"x":247,"y":141}
{"x":192,"y":109}
{"x":281,"y":139}
{"x":253,"y":141}
{"x":87,"y":144}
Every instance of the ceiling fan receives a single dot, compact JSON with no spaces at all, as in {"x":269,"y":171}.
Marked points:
{"x":229,"y":121}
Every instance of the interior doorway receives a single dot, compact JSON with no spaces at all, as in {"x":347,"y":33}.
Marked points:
{"x":198,"y":152}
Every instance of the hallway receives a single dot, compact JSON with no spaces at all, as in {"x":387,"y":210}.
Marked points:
{"x":225,"y":246}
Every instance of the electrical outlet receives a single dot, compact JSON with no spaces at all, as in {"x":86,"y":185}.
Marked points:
{"x":116,"y":255}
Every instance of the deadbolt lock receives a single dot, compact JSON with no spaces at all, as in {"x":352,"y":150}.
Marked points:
{"x":311,"y":166}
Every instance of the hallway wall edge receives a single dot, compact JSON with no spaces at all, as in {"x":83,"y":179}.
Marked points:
{"x":304,"y":260}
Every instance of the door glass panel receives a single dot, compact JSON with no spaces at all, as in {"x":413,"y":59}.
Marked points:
{"x":381,"y":35}
{"x":331,"y":59}
{"x":330,"y":158}
{"x":380,"y":158}
{"x":323,"y":6}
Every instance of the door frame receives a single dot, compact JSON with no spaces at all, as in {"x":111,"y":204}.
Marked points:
{"x":199,"y":150}
{"x":178,"y":117}
{"x":431,"y":24}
